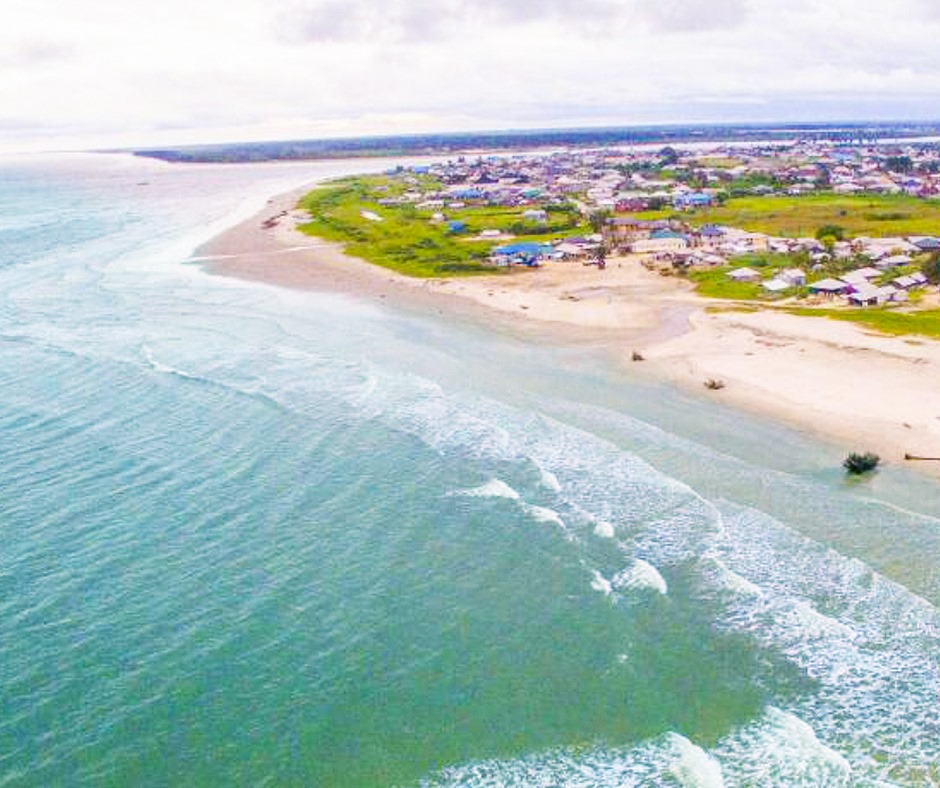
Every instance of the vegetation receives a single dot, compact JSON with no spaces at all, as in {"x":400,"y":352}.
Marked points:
{"x":858,"y":464}
{"x":924,"y":322}
{"x":835,"y":231}
{"x":801,"y":217}
{"x":714,"y":282}
{"x":404,"y":239}
{"x":931,"y":268}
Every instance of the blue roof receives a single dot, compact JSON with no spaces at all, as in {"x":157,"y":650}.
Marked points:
{"x":697,"y":198}
{"x":523,"y":247}
{"x":659,"y":234}
{"x":456,"y":226}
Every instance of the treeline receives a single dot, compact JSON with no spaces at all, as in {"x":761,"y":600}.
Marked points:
{"x":437,"y":144}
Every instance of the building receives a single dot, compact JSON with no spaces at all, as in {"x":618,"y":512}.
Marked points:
{"x":661,"y":241}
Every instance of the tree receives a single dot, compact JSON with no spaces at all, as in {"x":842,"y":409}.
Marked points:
{"x":931,"y":268}
{"x":833,"y":230}
{"x":899,"y":164}
{"x":599,"y":220}
{"x":668,"y":156}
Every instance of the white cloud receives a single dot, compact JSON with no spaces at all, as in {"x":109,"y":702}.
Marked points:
{"x":192,"y":70}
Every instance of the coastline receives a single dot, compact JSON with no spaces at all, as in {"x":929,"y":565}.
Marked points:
{"x":849,"y":386}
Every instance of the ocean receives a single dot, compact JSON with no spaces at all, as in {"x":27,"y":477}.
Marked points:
{"x":253,"y":536}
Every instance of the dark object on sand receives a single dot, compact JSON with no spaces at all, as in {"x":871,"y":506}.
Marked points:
{"x":636,"y":356}
{"x":861,"y":463}
{"x":714,"y":385}
{"x":924,"y":459}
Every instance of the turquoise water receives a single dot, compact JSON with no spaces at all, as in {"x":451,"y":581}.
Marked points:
{"x":260,"y":537}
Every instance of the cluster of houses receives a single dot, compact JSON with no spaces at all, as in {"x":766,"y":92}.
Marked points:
{"x":614,"y":182}
{"x":586,"y":249}
{"x":856,"y":286}
{"x":678,"y":245}
{"x":617,"y":181}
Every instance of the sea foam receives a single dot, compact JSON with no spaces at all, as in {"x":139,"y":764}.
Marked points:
{"x":494,"y":488}
{"x":640,"y":574}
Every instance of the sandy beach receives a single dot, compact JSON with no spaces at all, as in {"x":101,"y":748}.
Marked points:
{"x":859,"y":390}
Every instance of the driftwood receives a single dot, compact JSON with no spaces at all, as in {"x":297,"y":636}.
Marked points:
{"x":921,"y":459}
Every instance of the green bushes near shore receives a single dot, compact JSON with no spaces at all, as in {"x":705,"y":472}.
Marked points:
{"x":404,"y":239}
{"x":398,"y":240}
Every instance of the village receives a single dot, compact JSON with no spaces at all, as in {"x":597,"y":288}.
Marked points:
{"x":675,"y":209}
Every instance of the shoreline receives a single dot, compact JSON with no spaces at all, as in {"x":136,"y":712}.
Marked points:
{"x":840,"y":382}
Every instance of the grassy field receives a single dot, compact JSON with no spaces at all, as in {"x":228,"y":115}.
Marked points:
{"x":925,"y":322}
{"x":405,"y":240}
{"x":799,"y":217}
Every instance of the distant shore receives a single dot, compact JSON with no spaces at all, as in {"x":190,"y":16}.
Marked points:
{"x":854,"y":388}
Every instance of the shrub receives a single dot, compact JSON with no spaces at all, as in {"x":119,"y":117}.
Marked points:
{"x":858,"y":464}
{"x":833,"y":230}
{"x":931,"y":267}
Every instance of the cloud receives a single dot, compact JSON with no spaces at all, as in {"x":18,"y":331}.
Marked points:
{"x":417,"y":21}
{"x":694,"y":16}
{"x":36,"y":52}
{"x":140,"y":67}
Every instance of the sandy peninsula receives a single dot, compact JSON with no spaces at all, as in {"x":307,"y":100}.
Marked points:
{"x":860,"y":390}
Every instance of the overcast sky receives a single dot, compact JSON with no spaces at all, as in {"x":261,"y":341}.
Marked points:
{"x":76,"y":73}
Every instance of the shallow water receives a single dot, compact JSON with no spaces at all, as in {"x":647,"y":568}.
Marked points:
{"x":261,"y":537}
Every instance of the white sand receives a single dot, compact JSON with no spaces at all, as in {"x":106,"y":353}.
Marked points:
{"x":866,"y":391}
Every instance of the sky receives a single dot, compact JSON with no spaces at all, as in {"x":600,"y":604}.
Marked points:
{"x":107,"y":73}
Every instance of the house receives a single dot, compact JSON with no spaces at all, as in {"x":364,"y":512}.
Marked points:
{"x":571,"y":251}
{"x":661,"y":241}
{"x":776,"y":285}
{"x":869,"y":295}
{"x":700,"y":257}
{"x":860,"y":275}
{"x":692,"y":200}
{"x":456,"y":226}
{"x":893,"y":261}
{"x":829,"y":287}
{"x":927,"y":244}
{"x":710,"y":236}
{"x":910,"y":282}
{"x":521,"y":253}
{"x":795,"y":277}
{"x":744,"y":274}
{"x":535,"y":215}
{"x":625,"y":229}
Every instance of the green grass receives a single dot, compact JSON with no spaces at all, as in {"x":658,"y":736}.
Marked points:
{"x":797,"y":217}
{"x":925,"y":322}
{"x":717,"y":162}
{"x":714,"y":282}
{"x":406,"y":240}
{"x":800,"y":217}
